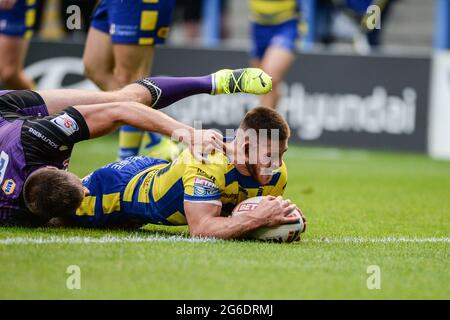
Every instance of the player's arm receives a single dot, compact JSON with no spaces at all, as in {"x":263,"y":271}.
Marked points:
{"x":102,"y":119}
{"x":204,"y":218}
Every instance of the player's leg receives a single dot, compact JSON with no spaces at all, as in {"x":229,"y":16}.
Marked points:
{"x":12,"y":55}
{"x":276,"y":55}
{"x":260,"y":40}
{"x":256,"y":54}
{"x":160,"y":92}
{"x":133,"y":56}
{"x":15,"y":30}
{"x":276,"y":62}
{"x":98,"y":55}
{"x":132,"y":62}
{"x":98,"y":59}
{"x":255,"y":62}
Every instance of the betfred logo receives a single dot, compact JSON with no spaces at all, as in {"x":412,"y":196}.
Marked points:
{"x":66,"y":124}
{"x":9,"y":186}
{"x":247,"y":206}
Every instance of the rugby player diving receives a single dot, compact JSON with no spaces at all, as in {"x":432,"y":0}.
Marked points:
{"x":38,"y":130}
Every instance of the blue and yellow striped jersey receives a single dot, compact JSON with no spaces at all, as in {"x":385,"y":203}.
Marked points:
{"x":148,"y":190}
{"x":273,"y":12}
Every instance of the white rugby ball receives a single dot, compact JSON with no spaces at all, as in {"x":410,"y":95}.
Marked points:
{"x":283,"y":233}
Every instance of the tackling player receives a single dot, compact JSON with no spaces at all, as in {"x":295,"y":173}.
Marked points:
{"x":274,"y":30}
{"x":38,"y":131}
{"x":143,"y":190}
{"x":17,"y":19}
{"x":119,"y":50}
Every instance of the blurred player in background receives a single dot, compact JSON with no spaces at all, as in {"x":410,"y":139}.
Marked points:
{"x":119,"y":50}
{"x":17,"y":18}
{"x":358,"y":9}
{"x":190,"y":13}
{"x":350,"y":21}
{"x":274,"y":30}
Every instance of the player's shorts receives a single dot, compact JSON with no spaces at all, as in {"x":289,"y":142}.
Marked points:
{"x":45,"y":138}
{"x":19,"y":21}
{"x":282,"y":35}
{"x":21,"y":103}
{"x":359,"y":6}
{"x":143,"y":22}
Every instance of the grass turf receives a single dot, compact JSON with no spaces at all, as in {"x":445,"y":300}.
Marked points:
{"x":349,"y":197}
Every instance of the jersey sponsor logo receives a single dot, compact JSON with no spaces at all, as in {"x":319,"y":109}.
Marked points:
{"x":43,"y":138}
{"x":205,"y":188}
{"x":202,"y":173}
{"x":4,"y":160}
{"x":66,"y":124}
{"x":247,"y":206}
{"x":9,"y":186}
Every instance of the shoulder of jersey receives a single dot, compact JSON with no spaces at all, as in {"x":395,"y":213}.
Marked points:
{"x":217,"y":158}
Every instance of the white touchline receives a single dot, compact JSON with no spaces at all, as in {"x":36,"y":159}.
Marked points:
{"x":101,"y":240}
{"x":179,"y":238}
{"x":357,"y":240}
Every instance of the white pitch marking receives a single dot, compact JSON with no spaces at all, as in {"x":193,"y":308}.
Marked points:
{"x":360,"y":240}
{"x":101,"y":240}
{"x":178,"y":238}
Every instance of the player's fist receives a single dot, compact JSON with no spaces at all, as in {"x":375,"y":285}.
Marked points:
{"x":275,"y":211}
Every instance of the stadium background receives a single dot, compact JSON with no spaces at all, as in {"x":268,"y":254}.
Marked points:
{"x":368,"y":100}
{"x":380,"y":207}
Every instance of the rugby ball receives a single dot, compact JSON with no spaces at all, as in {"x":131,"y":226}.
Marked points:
{"x":283,"y":233}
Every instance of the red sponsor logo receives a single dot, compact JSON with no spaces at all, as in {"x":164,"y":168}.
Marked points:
{"x":68,"y":123}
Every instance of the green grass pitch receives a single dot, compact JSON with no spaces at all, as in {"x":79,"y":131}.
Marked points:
{"x":364,"y":208}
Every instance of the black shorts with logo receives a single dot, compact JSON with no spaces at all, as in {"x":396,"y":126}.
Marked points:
{"x":46,"y":139}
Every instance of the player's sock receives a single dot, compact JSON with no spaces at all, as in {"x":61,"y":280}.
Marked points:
{"x":151,"y":139}
{"x":160,"y":147}
{"x":130,"y":139}
{"x":167,"y":90}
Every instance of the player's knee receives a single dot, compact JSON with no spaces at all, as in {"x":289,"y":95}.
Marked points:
{"x":94,"y":74}
{"x":124,"y":77}
{"x":276,"y":78}
{"x":10,"y":74}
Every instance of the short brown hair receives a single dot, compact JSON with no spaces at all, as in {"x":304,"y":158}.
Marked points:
{"x":52,"y":193}
{"x":266,"y":118}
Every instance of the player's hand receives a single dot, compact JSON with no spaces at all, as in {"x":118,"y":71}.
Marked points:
{"x":275,"y":211}
{"x":204,"y":142}
{"x":7,"y":4}
{"x":304,"y":219}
